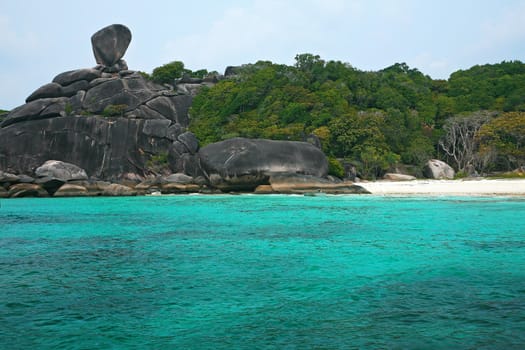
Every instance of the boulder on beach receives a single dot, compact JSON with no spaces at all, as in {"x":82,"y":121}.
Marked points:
{"x":69,"y":190}
{"x":297,"y":183}
{"x":437,"y":169}
{"x":61,"y":170}
{"x":398,"y":177}
{"x":244,"y":164}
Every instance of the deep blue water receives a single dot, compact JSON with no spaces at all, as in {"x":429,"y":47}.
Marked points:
{"x":262,"y":272}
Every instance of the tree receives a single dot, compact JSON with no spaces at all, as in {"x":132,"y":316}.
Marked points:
{"x":460,"y":141}
{"x":167,"y":73}
{"x":503,"y":138}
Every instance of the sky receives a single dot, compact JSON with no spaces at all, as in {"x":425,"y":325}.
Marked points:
{"x":40,"y":39}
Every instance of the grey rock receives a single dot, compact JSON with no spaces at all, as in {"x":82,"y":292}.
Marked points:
{"x":156,"y":128}
{"x":174,"y":131}
{"x":26,"y":190}
{"x":243,"y":164}
{"x":99,"y":81}
{"x":232,"y":71}
{"x":61,"y":170}
{"x":69,"y":190}
{"x":179,"y":148}
{"x":314,"y":140}
{"x":308,"y":184}
{"x":72,"y":76}
{"x":118,"y":190}
{"x":3,"y":193}
{"x":121,"y":65}
{"x":75,"y":87}
{"x":25,"y":179}
{"x":107,"y":148}
{"x":130,"y":91}
{"x":46,"y":91}
{"x":125,"y":73}
{"x":437,"y":169}
{"x":144,"y":112}
{"x":189,"y":89}
{"x":56,"y":109}
{"x":110,"y":44}
{"x":398,"y":177}
{"x":50,"y":184}
{"x":8,"y":177}
{"x":165,"y":106}
{"x":75,"y":102}
{"x":190,"y":141}
{"x":33,"y":111}
{"x":179,"y":178}
{"x":188,"y":164}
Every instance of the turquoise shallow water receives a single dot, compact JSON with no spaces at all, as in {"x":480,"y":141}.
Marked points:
{"x":262,"y":272}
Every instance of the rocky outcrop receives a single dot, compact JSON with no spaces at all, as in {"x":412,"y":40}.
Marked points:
{"x":307,"y":184}
{"x":26,"y":190}
{"x":108,"y":120}
{"x":437,"y":169}
{"x":398,"y":177}
{"x":110,"y":123}
{"x":109,"y":46}
{"x":244,"y":164}
{"x":118,"y":190}
{"x":69,"y":190}
{"x":61,"y":170}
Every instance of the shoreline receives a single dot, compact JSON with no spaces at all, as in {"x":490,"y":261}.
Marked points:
{"x":462,"y":187}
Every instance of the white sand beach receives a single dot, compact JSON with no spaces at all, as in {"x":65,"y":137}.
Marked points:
{"x":467,"y":187}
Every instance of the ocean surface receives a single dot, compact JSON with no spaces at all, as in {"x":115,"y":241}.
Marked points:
{"x":262,"y":272}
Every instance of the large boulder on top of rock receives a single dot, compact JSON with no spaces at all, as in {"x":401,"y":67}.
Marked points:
{"x":61,"y":170}
{"x":110,"y":44}
{"x":108,"y":124}
{"x":437,"y":169}
{"x":243,"y":164}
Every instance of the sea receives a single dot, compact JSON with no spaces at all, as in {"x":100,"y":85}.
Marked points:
{"x":262,"y":272}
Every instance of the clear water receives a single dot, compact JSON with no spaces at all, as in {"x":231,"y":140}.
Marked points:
{"x":262,"y":272}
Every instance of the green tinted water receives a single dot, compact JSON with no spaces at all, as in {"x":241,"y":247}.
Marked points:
{"x":262,"y":272}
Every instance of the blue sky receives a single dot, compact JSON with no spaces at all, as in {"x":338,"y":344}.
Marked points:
{"x":39,"y":39}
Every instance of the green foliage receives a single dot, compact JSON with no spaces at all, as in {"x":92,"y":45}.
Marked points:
{"x":3,"y":114}
{"x":167,"y":73}
{"x":158,"y":163}
{"x":114,"y":110}
{"x":374,"y":118}
{"x":335,"y":168}
{"x":489,"y":87}
{"x":504,"y":139}
{"x":68,"y":108}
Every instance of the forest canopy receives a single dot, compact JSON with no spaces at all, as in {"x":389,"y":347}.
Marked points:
{"x":374,"y":119}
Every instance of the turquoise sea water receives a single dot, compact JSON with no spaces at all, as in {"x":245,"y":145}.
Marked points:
{"x":262,"y":272}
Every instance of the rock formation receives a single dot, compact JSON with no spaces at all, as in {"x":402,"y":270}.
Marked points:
{"x":110,"y":45}
{"x":93,"y":125}
{"x":437,"y":169}
{"x":108,"y":120}
{"x":243,"y":164}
